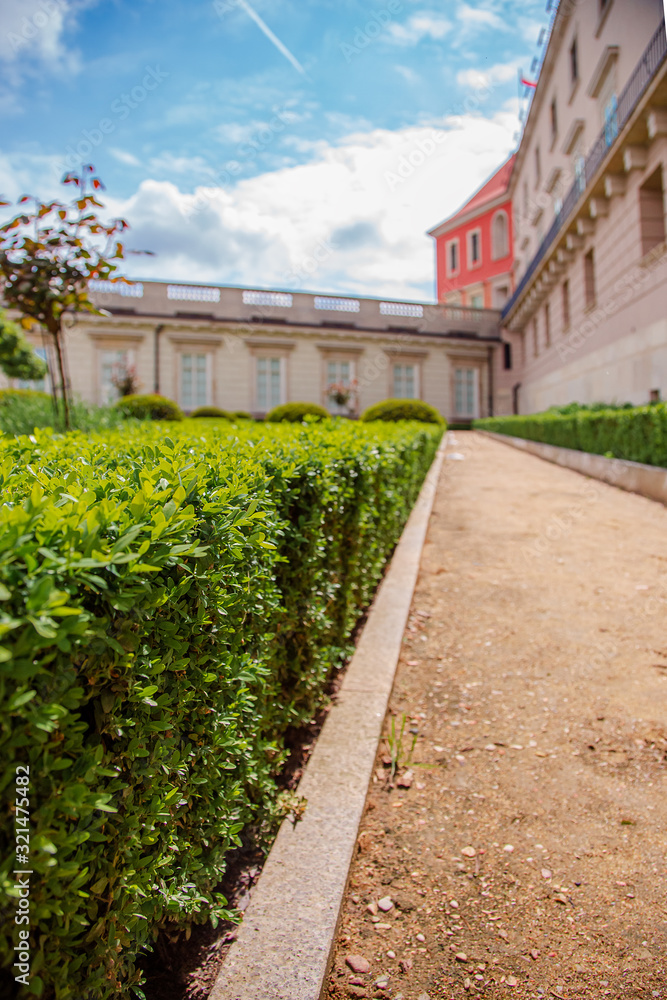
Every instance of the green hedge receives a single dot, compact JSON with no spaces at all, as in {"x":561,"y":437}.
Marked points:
{"x":295,"y":412}
{"x":402,"y":409}
{"x":170,"y":605}
{"x":212,"y":411}
{"x":149,"y":407}
{"x":638,"y":434}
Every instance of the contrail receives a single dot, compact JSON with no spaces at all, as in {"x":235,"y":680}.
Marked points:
{"x":271,"y":37}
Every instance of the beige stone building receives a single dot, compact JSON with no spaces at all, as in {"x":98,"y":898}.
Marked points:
{"x":589,"y":311}
{"x":246,"y":349}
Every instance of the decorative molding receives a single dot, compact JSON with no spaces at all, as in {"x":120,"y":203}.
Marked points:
{"x":605,"y":63}
{"x":634,"y":158}
{"x":573,"y":133}
{"x":614,"y":184}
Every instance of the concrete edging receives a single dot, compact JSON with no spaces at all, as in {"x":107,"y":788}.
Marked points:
{"x":648,"y":480}
{"x":285,"y":942}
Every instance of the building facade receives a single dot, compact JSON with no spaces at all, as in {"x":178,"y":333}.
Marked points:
{"x":589,"y":308}
{"x":245,"y":349}
{"x":474,"y":247}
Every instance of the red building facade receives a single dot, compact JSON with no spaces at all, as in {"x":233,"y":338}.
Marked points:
{"x":474,"y":255}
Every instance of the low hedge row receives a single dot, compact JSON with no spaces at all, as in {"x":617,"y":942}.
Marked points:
{"x":172,"y":599}
{"x":637,"y":435}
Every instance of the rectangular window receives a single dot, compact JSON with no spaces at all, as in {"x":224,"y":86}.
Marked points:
{"x":589,"y":278}
{"x":554,"y":119}
{"x":574,"y":61}
{"x":477,"y":301}
{"x":652,"y":211}
{"x":474,"y":247}
{"x":405,"y":382}
{"x":566,"y":305}
{"x":465,"y":392}
{"x":453,"y":257}
{"x":547,"y":326}
{"x":112,"y":366}
{"x":538,"y":167}
{"x":507,"y":357}
{"x":194,"y":381}
{"x":339,"y":376}
{"x":536,"y":338}
{"x":269,"y":383}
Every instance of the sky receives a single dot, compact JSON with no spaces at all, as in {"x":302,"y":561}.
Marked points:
{"x":292,"y":144}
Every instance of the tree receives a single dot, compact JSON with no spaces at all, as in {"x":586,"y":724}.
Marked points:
{"x":17,"y":358}
{"x":48,"y":254}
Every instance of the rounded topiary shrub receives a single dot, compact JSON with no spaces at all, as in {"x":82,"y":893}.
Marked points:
{"x":211,"y":411}
{"x":403,"y":409}
{"x":241,"y":415}
{"x":149,"y":407}
{"x":295,"y":412}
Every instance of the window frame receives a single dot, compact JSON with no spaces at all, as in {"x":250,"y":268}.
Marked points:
{"x":269,"y":355}
{"x":474,"y":264}
{"x":465,"y":366}
{"x":407,"y":362}
{"x":454,"y":243}
{"x":495,"y":255}
{"x":195,"y":351}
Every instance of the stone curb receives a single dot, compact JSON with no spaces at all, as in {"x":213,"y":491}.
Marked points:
{"x":285,"y":943}
{"x":648,"y":480}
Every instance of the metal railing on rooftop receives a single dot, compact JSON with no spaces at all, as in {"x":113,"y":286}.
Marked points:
{"x":644,"y":72}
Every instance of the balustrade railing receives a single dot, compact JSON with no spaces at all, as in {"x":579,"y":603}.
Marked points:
{"x":645,"y":70}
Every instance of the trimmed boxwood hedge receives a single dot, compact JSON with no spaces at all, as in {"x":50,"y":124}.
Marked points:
{"x":638,"y":434}
{"x":212,"y":411}
{"x":170,"y":603}
{"x":295,"y":412}
{"x":402,"y":409}
{"x":149,"y":407}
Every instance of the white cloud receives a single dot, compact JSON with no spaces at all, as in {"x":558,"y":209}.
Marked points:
{"x":418,"y":27}
{"x":480,"y":16}
{"x":365,"y":203}
{"x":33,"y":29}
{"x":129,"y":159}
{"x":485,"y":79}
{"x":362,"y":205}
{"x":408,"y":74}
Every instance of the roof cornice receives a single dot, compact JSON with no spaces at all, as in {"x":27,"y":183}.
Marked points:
{"x":560,"y":23}
{"x":461,"y":220}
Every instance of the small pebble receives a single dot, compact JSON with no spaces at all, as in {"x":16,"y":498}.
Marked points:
{"x":461,"y":956}
{"x":469,"y":852}
{"x":385,"y":904}
{"x":405,"y":964}
{"x":391,"y":954}
{"x":358,"y":964}
{"x":508,"y":848}
{"x":372,"y":908}
{"x":512,"y":981}
{"x":420,"y":937}
{"x":546,"y":873}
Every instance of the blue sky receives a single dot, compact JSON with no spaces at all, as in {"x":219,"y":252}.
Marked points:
{"x":313,"y":159}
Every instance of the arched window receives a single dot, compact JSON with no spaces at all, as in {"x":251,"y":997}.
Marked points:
{"x":500,"y":240}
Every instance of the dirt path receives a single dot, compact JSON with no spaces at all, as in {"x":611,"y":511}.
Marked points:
{"x":527,"y":859}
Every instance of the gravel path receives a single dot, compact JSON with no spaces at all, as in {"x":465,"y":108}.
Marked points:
{"x":527,"y":857}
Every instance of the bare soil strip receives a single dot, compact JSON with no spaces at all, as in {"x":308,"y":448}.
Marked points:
{"x":527,"y":856}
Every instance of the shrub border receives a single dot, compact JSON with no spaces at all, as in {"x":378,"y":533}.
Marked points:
{"x":285,"y":942}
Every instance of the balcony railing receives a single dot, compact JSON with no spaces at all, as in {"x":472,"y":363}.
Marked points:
{"x":643,"y":74}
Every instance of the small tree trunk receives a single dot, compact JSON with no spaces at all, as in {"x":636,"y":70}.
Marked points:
{"x":57,"y":336}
